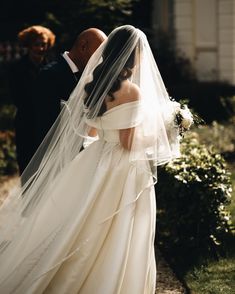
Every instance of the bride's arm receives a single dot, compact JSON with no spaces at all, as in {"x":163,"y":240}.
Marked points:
{"x":126,"y":137}
{"x":92,"y":132}
{"x":92,"y":136}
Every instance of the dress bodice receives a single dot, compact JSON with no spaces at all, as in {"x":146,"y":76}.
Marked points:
{"x":127,"y":115}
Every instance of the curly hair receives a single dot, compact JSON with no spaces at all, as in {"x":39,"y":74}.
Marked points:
{"x":112,"y":50}
{"x":29,"y":35}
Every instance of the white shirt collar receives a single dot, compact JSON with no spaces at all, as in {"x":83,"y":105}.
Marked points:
{"x":71,"y":64}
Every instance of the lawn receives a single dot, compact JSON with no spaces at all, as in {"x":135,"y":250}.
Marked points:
{"x":217,"y":277}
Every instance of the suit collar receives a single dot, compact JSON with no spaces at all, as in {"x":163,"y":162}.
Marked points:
{"x":65,"y":70}
{"x":71,"y":64}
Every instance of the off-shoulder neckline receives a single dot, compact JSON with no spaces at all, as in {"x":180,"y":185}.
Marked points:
{"x":120,"y":106}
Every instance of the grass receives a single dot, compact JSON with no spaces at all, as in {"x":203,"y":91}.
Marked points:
{"x":215,"y":278}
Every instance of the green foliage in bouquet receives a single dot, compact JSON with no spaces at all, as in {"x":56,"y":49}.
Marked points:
{"x":8,"y":164}
{"x":192,"y":193}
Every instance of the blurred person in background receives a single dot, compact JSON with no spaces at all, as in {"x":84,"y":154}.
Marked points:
{"x":38,"y":41}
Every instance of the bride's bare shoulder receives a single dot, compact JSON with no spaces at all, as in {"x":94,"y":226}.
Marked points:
{"x":129,"y":92}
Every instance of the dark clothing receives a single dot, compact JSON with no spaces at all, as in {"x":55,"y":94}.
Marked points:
{"x":56,"y":81}
{"x":23,"y":74}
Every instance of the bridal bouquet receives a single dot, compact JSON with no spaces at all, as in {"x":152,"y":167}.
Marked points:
{"x":183,"y":118}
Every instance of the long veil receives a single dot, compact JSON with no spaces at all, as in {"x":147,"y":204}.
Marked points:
{"x":155,"y":139}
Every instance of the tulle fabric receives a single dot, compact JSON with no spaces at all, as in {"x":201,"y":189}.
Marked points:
{"x":155,"y":139}
{"x":106,"y":245}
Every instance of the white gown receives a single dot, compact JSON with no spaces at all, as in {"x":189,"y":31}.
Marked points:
{"x":111,"y":228}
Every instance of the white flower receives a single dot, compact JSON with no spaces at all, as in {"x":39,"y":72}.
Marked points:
{"x":169,"y":112}
{"x":177,"y":115}
{"x":187,"y":117}
{"x":176,"y":106}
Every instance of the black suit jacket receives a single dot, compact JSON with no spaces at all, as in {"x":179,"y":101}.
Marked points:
{"x":55,"y":82}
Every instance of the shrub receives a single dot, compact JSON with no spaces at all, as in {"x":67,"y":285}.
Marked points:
{"x":7,"y":113}
{"x":220,"y":136}
{"x":192,"y":192}
{"x":8,"y":164}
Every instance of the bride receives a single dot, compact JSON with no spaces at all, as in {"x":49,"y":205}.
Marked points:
{"x":85,"y":220}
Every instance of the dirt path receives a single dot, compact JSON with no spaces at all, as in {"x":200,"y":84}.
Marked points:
{"x":167,"y":283}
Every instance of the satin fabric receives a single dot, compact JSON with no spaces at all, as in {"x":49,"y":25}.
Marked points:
{"x":106,"y":245}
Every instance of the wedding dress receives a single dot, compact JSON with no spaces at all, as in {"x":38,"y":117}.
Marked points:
{"x":85,"y":221}
{"x":115,"y":257}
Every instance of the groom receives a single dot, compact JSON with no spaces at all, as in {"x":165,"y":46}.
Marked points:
{"x":57,"y":80}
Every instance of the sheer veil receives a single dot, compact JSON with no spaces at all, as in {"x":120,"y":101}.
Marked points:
{"x":125,"y":55}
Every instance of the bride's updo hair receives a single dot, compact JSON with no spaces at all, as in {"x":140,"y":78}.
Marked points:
{"x":118,"y":44}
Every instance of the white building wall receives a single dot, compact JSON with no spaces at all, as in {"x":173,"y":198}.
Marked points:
{"x":206,"y":39}
{"x":196,"y":35}
{"x":183,"y":22}
{"x":226,"y":40}
{"x":205,"y":33}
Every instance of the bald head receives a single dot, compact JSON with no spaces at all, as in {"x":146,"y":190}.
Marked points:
{"x":85,"y":45}
{"x":91,"y":35}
